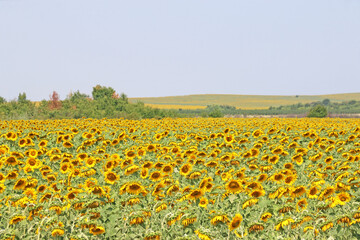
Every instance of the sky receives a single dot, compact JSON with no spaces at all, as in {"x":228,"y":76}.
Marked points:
{"x":167,"y":48}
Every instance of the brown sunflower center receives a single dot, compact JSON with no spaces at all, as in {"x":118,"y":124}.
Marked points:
{"x":234,"y":185}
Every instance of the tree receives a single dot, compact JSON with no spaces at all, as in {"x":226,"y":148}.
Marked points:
{"x":54,"y":101}
{"x":2,"y":100}
{"x":326,"y":102}
{"x":124,"y":98}
{"x":318,"y":111}
{"x":77,"y":96}
{"x":22,"y":98}
{"x":100,"y":92}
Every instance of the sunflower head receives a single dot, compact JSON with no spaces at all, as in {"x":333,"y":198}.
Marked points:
{"x":235,"y":222}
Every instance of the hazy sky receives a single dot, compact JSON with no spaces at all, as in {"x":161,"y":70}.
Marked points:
{"x":162,"y":48}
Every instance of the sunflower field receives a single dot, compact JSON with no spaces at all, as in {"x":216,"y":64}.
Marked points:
{"x":198,"y":178}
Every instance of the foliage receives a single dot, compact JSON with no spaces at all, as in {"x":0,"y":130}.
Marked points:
{"x":318,"y":111}
{"x":105,"y":103}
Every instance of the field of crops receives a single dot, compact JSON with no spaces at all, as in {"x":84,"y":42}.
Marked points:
{"x":239,"y":101}
{"x":180,"y":179}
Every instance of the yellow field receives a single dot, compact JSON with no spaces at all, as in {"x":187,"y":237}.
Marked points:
{"x":166,"y":106}
{"x":241,"y":101}
{"x":180,"y":179}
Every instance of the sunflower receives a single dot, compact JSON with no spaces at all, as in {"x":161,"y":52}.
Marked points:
{"x":256,"y":228}
{"x":203,"y":202}
{"x":144,"y":173}
{"x":301,"y":204}
{"x":343,"y":198}
{"x":16,"y":219}
{"x":167,"y":169}
{"x":155,"y":176}
{"x":172,"y":189}
{"x":288,"y":165}
{"x":189,"y":220}
{"x":233,"y":186}
{"x":97,"y":230}
{"x":195,"y":194}
{"x":111,"y":177}
{"x":283,"y":224}
{"x":161,"y":207}
{"x":22,"y":142}
{"x":134,"y":188}
{"x":262,"y":177}
{"x":131,"y":169}
{"x":257,"y":193}
{"x":11,"y":161}
{"x":56,"y":208}
{"x":249,"y":203}
{"x":202,"y":236}
{"x":298,"y":191}
{"x":90,"y":162}
{"x":185,"y":169}
{"x":289,"y":180}
{"x":327,"y":226}
{"x":266,"y":216}
{"x":41,"y":188}
{"x":2,"y":188}
{"x":12,"y":175}
{"x":130,"y":154}
{"x":257,"y":133}
{"x":64,"y":168}
{"x":32,"y":162}
{"x":124,"y":163}
{"x":298,"y":158}
{"x":97,"y":190}
{"x":148,"y":164}
{"x":278,"y":177}
{"x":158,"y":189}
{"x":327,"y":193}
{"x":211,"y":164}
{"x":20,"y":184}
{"x":235,"y":222}
{"x":150,"y":148}
{"x":195,"y":175}
{"x":219,"y":218}
{"x":273,"y":159}
{"x":137,"y":220}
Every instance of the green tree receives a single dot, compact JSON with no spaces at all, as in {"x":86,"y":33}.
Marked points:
{"x":318,"y":111}
{"x":2,"y":100}
{"x":77,"y":96}
{"x":22,"y":98}
{"x":100,"y":92}
{"x":326,"y":102}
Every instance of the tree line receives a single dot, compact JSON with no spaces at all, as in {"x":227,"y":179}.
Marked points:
{"x":104,"y":102}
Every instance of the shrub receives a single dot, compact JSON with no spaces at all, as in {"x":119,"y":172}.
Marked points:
{"x":318,"y":111}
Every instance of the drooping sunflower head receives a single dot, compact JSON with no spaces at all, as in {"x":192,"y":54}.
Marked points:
{"x":97,"y":230}
{"x":257,"y":193}
{"x":266,"y":216}
{"x":195,"y":194}
{"x":235,"y":222}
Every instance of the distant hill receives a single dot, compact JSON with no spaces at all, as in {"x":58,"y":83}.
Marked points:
{"x":239,"y":101}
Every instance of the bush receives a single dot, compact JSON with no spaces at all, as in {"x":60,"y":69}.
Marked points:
{"x":318,"y":111}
